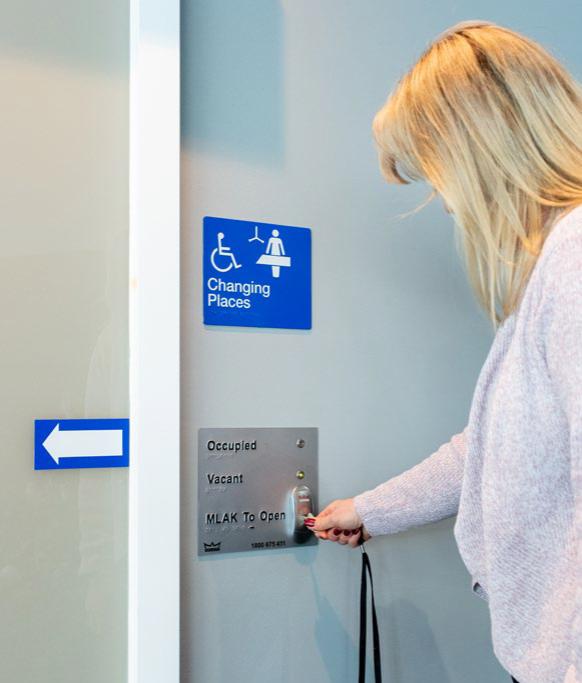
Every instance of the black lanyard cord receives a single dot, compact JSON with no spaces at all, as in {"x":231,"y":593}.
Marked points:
{"x":367,"y":571}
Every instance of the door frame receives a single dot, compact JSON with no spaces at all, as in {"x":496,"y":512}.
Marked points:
{"x":154,"y":303}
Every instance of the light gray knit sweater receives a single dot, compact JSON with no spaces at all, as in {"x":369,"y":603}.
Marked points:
{"x":514,"y":476}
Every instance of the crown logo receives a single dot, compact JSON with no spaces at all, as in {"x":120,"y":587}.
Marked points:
{"x":212,"y":547}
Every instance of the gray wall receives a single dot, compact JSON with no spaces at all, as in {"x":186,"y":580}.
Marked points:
{"x":278,"y":100}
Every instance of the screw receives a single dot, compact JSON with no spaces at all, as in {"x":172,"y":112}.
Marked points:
{"x":300,"y":443}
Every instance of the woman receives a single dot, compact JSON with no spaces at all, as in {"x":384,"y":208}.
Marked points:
{"x":494,"y":124}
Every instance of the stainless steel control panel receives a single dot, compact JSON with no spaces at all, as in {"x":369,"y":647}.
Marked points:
{"x":255,"y":488}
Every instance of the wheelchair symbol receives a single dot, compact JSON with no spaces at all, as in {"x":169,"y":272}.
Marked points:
{"x":225,"y":252}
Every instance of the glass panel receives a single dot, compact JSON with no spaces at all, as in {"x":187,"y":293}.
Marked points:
{"x":64,"y":348}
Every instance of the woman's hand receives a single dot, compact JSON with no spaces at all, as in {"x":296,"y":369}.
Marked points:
{"x":340,"y":522}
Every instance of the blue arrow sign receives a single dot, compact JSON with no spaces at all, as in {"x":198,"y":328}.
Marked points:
{"x":256,"y":274}
{"x":74,"y":444}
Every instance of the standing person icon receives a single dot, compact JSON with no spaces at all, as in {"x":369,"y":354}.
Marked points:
{"x":275,"y":248}
{"x":274,"y":255}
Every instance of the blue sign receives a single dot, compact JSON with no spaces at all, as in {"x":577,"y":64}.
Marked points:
{"x":72,"y":444}
{"x":256,"y":274}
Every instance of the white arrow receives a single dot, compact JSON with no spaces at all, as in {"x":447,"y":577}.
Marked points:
{"x":84,"y":443}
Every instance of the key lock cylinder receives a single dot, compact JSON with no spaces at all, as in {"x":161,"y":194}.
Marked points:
{"x":301,"y":506}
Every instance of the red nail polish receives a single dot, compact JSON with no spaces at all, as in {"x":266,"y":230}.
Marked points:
{"x":347,"y":532}
{"x":357,"y":531}
{"x":337,"y":532}
{"x":310,"y":521}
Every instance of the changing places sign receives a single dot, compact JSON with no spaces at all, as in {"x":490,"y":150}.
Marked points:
{"x":256,"y":274}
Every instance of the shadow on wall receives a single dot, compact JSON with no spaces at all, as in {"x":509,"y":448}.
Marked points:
{"x":233,"y":79}
{"x":409,"y":651}
{"x":416,"y":651}
{"x":329,"y":629}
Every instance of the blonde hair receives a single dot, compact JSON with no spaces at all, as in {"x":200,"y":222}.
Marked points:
{"x":494,"y":124}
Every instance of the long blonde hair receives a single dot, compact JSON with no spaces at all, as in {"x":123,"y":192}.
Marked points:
{"x":494,"y":124}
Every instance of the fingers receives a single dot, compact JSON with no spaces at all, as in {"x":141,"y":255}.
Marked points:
{"x":341,"y":536}
{"x":338,"y":522}
{"x":348,"y":537}
{"x":340,"y":514}
{"x":326,"y":519}
{"x":329,"y":535}
{"x":355,"y":539}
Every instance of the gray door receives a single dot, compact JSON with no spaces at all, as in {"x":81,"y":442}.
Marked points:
{"x":64,"y":350}
{"x":278,"y":100}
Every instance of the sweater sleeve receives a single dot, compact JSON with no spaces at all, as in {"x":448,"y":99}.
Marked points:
{"x":561,"y":315}
{"x":426,"y":493}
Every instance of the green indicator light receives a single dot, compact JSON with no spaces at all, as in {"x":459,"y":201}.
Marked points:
{"x":300,"y":474}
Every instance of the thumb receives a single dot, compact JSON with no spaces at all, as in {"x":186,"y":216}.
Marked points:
{"x":328,"y":519}
{"x":341,"y":514}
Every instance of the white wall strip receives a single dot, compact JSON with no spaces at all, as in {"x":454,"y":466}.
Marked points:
{"x":154,"y":550}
